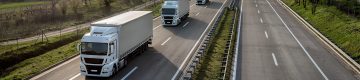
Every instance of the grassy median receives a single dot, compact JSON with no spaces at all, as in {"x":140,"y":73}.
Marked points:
{"x":209,"y":67}
{"x":340,"y":28}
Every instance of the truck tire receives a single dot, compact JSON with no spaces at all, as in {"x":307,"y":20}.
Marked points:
{"x":113,"y":71}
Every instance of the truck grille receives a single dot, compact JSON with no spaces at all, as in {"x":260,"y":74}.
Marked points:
{"x":168,"y":21}
{"x":168,"y":17}
{"x":93,"y":69}
{"x":93,"y":61}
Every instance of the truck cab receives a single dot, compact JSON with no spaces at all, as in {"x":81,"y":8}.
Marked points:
{"x":198,"y":2}
{"x":174,"y":11}
{"x":98,"y":52}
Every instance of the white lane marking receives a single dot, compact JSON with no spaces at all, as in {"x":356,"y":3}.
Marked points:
{"x":192,"y":5}
{"x":261,"y":20}
{"x":157,"y":17}
{"x":306,"y":52}
{"x":266,"y":35}
{"x":197,"y":14}
{"x":258,"y":11}
{"x":185,"y":24}
{"x":52,"y":69}
{"x":205,"y":6}
{"x":237,"y":42}
{"x":274,"y":58}
{"x":72,"y":78}
{"x":128,"y":74}
{"x":157,"y":27}
{"x":197,"y":42}
{"x":256,"y":4}
{"x":166,"y":41}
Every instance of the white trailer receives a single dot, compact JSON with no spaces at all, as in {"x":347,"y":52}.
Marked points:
{"x":174,"y":11}
{"x":198,"y":2}
{"x":111,"y":41}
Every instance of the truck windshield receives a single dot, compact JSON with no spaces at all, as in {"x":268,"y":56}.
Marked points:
{"x":94,"y":48}
{"x":168,"y":11}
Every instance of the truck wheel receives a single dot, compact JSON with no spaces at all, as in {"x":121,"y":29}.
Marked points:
{"x":113,"y":71}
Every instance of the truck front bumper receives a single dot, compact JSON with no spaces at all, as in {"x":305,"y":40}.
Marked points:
{"x":96,"y":71}
{"x":200,"y":2}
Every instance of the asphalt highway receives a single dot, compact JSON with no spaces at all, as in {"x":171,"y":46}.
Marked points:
{"x":274,"y":45}
{"x":171,"y":45}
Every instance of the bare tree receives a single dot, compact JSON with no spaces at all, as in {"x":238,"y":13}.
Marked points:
{"x":304,"y":3}
{"x":75,"y":5}
{"x":108,"y":2}
{"x":63,"y":7}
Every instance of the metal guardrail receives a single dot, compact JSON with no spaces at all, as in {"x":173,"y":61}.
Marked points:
{"x":206,"y":42}
{"x":194,"y":61}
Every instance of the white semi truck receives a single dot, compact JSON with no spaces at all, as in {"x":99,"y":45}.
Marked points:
{"x":111,"y":41}
{"x":201,"y":1}
{"x":174,"y":11}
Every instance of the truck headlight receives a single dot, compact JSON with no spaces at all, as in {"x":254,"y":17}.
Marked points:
{"x":82,"y":69}
{"x":106,"y":69}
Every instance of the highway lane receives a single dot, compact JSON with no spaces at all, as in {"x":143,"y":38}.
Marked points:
{"x":274,"y":45}
{"x":170,"y":47}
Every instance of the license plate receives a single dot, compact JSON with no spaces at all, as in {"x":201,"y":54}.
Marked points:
{"x":93,"y":70}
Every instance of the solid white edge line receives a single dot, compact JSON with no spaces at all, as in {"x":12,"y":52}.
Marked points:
{"x":157,"y":27}
{"x":197,"y":42}
{"x":192,"y":5}
{"x":238,"y":41}
{"x":185,"y":24}
{"x":166,"y":41}
{"x":261,"y":20}
{"x":72,"y":78}
{"x":274,"y":58}
{"x":56,"y":67}
{"x":128,"y":74}
{"x":157,"y":17}
{"x":266,"y":35}
{"x":312,"y":60}
{"x":197,"y":14}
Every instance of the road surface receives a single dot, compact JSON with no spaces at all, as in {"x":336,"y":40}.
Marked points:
{"x":274,"y":45}
{"x":171,"y":45}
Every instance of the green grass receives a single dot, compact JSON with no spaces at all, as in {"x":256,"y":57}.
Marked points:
{"x":12,"y":47}
{"x":340,"y":28}
{"x":34,"y":65}
{"x":20,"y":4}
{"x":210,"y":64}
{"x":155,"y":8}
{"x":13,"y":58}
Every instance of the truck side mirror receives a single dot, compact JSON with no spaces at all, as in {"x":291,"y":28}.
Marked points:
{"x":78,"y":47}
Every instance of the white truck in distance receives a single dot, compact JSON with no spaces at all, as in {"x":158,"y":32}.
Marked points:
{"x":174,"y":11}
{"x":201,"y":1}
{"x":111,"y":41}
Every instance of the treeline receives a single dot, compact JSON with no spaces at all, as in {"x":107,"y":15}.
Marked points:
{"x":351,"y":7}
{"x":56,"y":15}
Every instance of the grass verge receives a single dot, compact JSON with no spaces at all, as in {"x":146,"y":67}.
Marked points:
{"x":36,"y":64}
{"x":155,"y":9}
{"x":10,"y":59}
{"x":337,"y":26}
{"x":210,"y":65}
{"x":20,"y":4}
